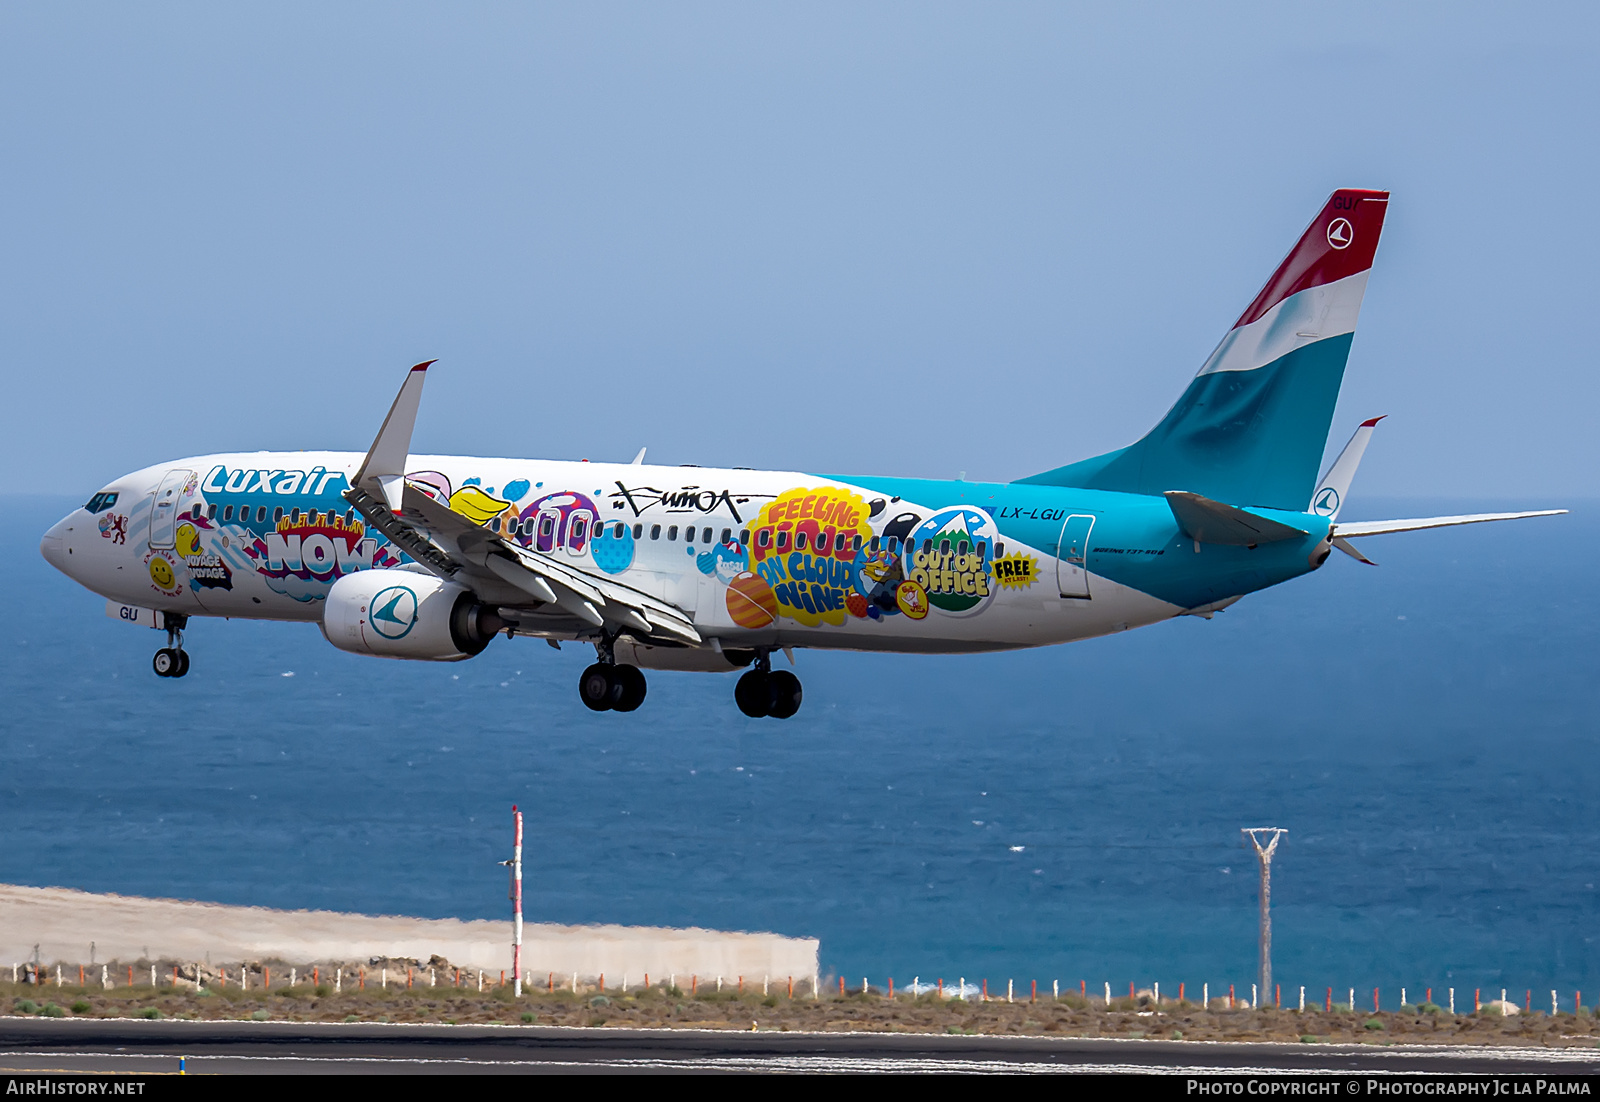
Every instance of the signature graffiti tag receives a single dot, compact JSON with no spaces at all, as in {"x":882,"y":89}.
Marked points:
{"x":685,"y":499}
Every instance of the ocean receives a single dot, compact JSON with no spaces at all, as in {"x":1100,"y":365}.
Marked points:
{"x":1425,"y":731}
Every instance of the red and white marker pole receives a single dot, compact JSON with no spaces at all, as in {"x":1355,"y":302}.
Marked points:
{"x":516,"y":905}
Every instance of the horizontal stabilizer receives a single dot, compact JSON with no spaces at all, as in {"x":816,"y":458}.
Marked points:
{"x":1384,"y":527}
{"x":1207,"y":521}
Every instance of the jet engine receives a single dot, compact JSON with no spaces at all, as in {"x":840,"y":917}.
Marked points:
{"x":404,"y":614}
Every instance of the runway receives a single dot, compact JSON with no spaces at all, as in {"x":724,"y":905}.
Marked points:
{"x":147,"y":1047}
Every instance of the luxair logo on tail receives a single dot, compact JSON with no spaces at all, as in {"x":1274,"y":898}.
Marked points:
{"x":1327,"y":503}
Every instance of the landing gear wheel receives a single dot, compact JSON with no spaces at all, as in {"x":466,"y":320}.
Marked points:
{"x":633,"y":688}
{"x":167,"y":662}
{"x":785,"y":694}
{"x":599,"y":688}
{"x":754,"y":694}
{"x":183,"y":664}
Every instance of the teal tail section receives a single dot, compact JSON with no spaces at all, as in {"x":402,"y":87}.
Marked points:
{"x":1243,"y":437}
{"x":1251,"y":427}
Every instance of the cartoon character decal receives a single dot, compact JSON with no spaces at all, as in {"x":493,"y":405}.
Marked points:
{"x":163,"y":571}
{"x":114,"y":527}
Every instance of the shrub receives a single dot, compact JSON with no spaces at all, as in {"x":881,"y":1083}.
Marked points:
{"x":151,"y":1013}
{"x":260,"y":1015}
{"x":353,"y":1018}
{"x":599,"y":1001}
{"x":80,"y":1007}
{"x":1372,"y":1023}
{"x":528,"y":1018}
{"x":322,"y":990}
{"x":770,"y":1000}
{"x":27,"y":1006}
{"x":51,"y":1010}
{"x":1307,"y":1039}
{"x":597,"y":1021}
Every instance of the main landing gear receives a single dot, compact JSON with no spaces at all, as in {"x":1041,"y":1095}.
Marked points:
{"x":609,"y":687}
{"x":765,"y":691}
{"x":172,"y":660}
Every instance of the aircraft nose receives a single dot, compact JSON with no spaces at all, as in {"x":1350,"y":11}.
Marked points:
{"x":53,"y":546}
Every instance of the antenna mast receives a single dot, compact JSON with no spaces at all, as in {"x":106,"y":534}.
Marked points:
{"x":1264,"y":853}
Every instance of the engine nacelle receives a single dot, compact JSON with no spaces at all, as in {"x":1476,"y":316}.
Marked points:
{"x":404,"y":614}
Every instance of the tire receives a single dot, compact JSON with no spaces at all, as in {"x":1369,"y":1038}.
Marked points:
{"x":753,"y":694}
{"x":164,"y":662}
{"x":183,"y":664}
{"x":598,"y":688}
{"x":785,"y":694}
{"x":633,"y":688}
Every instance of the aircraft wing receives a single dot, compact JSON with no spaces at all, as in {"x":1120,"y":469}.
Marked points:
{"x":498,"y":571}
{"x":455,"y":548}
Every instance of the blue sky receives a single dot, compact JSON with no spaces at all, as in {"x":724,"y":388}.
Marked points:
{"x":908,"y":239}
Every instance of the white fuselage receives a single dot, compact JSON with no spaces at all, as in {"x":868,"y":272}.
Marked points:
{"x":265,"y":535}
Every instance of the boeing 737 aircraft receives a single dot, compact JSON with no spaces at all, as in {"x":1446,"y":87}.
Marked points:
{"x":693,"y":568}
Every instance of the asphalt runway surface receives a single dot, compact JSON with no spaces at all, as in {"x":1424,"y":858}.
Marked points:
{"x":144,"y":1047}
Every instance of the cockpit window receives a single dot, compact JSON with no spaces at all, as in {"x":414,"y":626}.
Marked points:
{"x":100,"y":502}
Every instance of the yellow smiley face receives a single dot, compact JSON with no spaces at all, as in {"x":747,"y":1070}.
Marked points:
{"x":188,"y":540}
{"x":161,"y":573}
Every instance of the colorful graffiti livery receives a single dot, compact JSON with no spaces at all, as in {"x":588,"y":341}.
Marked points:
{"x":804,"y":546}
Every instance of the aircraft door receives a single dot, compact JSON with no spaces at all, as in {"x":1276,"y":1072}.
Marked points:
{"x":1072,"y":555}
{"x":175,"y":490}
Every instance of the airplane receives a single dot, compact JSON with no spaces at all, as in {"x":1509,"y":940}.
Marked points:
{"x":431,"y":558}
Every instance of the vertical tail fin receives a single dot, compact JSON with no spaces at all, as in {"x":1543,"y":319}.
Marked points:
{"x":1251,"y":428}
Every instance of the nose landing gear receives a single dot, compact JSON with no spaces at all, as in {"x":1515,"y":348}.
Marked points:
{"x":765,"y":691}
{"x":609,"y":687}
{"x":172,"y":660}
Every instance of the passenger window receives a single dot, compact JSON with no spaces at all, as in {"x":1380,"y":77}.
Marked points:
{"x":211,"y":511}
{"x":294,"y":517}
{"x":927,"y":547}
{"x":638,"y":531}
{"x":765,"y":537}
{"x":277,"y":514}
{"x":783,"y":540}
{"x":744,"y":536}
{"x":672,"y":533}
{"x":999,"y":549}
{"x":982,"y":547}
{"x":874,"y":545}
{"x":840,"y":540}
{"x":227,"y":513}
{"x":961,"y":548}
{"x":349,"y":515}
{"x":705,"y":537}
{"x":261,"y":514}
{"x":944,"y":547}
{"x":894,"y":543}
{"x":799,"y":541}
{"x":655,"y":531}
{"x":575,"y":533}
{"x":855,"y":544}
{"x":494,"y":525}
{"x":727,"y":534}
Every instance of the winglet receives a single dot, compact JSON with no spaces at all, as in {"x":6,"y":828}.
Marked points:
{"x":382,"y":473}
{"x":1335,"y":485}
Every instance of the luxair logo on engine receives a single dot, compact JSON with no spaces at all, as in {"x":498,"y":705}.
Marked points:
{"x":394,"y":612}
